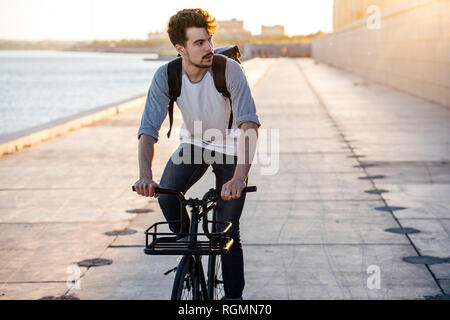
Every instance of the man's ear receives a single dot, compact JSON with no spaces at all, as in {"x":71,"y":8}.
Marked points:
{"x":180,"y":49}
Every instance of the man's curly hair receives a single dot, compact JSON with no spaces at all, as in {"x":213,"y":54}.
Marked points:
{"x":187,"y":18}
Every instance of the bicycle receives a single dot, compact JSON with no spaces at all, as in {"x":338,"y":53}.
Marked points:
{"x":189,"y":282}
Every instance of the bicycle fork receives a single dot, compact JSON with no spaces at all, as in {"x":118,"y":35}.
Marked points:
{"x":200,"y":287}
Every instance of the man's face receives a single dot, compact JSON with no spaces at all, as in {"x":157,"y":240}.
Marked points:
{"x":198,"y":48}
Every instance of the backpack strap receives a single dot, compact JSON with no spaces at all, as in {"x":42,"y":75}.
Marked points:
{"x":220,"y":81}
{"x":174,"y":76}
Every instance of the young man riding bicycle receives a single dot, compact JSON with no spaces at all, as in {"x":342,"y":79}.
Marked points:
{"x":204,"y":110}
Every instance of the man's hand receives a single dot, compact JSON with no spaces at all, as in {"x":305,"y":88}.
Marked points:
{"x":146,"y":187}
{"x":232,"y":189}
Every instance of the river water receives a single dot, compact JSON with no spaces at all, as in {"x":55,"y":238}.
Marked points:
{"x":40,"y":86}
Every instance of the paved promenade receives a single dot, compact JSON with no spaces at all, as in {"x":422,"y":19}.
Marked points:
{"x":354,"y":159}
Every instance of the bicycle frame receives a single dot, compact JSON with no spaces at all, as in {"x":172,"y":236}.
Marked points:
{"x":199,"y":279}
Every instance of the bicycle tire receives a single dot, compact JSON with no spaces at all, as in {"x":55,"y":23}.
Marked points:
{"x":183,"y":284}
{"x":215,"y":279}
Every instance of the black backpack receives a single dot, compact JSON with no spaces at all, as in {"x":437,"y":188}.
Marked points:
{"x":218,"y":67}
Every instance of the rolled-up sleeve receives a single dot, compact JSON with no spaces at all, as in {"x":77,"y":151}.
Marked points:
{"x":155,"y":110}
{"x":244,"y":109}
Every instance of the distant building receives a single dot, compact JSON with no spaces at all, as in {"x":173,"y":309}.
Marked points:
{"x":157,"y":35}
{"x":272,"y":31}
{"x":232,"y":29}
{"x":232,"y":25}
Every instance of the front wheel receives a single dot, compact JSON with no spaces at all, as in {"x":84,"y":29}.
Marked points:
{"x":215,"y":279}
{"x":186,"y":282}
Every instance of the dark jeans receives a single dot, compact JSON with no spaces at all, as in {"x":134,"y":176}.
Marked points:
{"x":181,"y":177}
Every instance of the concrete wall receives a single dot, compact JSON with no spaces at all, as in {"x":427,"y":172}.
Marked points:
{"x":346,"y":12}
{"x":410,"y":51}
{"x":16,"y":141}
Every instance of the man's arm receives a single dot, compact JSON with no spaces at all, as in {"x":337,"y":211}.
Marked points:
{"x":244,"y":111}
{"x":246,"y":151}
{"x":155,"y":112}
{"x":145,"y":154}
{"x":145,"y":186}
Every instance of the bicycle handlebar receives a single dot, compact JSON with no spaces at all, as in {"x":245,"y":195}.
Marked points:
{"x":211,"y":196}
{"x":181,"y":196}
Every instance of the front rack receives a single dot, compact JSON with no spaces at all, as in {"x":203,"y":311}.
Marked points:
{"x":165,"y":243}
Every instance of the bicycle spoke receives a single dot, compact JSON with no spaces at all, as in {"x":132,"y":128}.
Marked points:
{"x":218,"y":281}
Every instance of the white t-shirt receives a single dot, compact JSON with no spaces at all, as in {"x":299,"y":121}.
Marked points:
{"x":206,"y":113}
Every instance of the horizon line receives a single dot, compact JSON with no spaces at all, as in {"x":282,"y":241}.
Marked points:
{"x":119,"y":39}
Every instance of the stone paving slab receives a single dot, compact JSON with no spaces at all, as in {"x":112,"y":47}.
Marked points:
{"x":441,"y":271}
{"x":31,"y":291}
{"x":333,"y":272}
{"x":314,"y":223}
{"x":68,"y":205}
{"x":132,"y":276}
{"x":391,"y":152}
{"x":28,"y":250}
{"x":312,"y":162}
{"x":411,"y":172}
{"x":315,"y":186}
{"x":433,"y":237}
{"x":312,"y":146}
{"x":398,"y":192}
{"x":420,"y":208}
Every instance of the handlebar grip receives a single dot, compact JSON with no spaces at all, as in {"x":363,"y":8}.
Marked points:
{"x":250,"y":189}
{"x":179,"y":195}
{"x":157,"y":190}
{"x":162,"y":190}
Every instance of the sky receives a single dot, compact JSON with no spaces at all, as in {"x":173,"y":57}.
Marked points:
{"x":117,"y":19}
